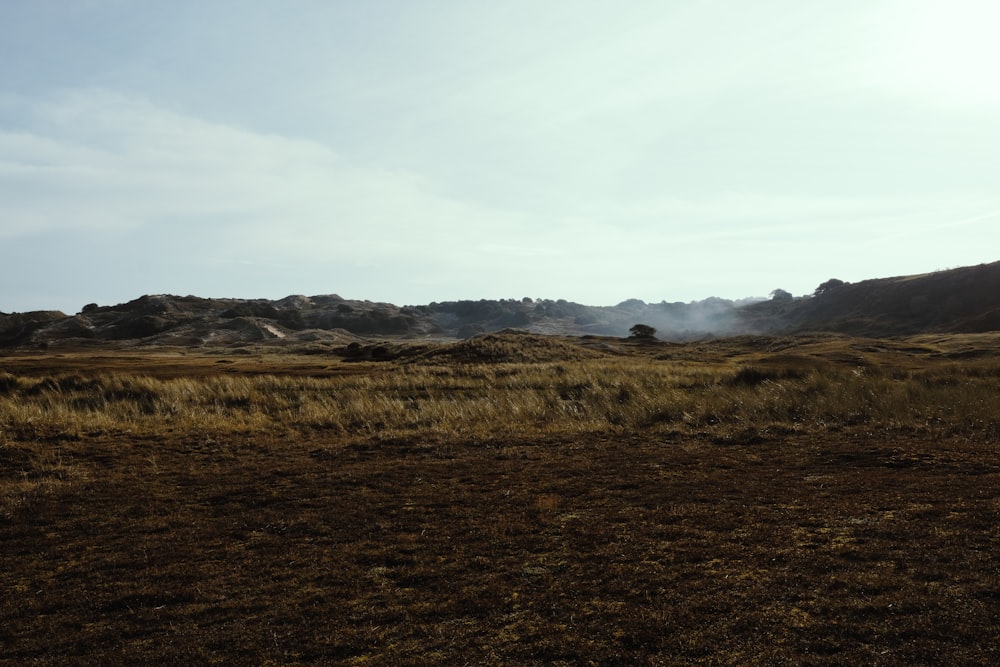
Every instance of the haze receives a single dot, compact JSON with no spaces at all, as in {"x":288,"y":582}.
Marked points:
{"x":419,"y":151}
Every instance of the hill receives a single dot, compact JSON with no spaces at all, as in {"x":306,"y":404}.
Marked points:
{"x":190,"y":321}
{"x":958,"y":300}
{"x":963,"y":300}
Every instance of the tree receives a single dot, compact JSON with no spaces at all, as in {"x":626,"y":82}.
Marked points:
{"x":831,"y":284}
{"x":781,"y":295}
{"x":642,"y":331}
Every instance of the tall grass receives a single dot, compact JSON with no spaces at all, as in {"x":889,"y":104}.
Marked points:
{"x":501,"y":399}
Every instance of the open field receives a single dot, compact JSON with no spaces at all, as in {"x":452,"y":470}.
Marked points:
{"x":511,"y":499}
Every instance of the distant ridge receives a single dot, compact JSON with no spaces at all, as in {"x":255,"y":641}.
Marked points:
{"x":962,"y":300}
{"x":956,"y":300}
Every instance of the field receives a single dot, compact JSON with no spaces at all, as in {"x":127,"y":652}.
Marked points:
{"x":509,"y":500}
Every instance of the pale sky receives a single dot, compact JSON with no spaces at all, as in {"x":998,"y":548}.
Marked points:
{"x":414,"y":150}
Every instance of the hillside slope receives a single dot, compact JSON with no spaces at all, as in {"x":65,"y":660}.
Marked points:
{"x":965,"y":300}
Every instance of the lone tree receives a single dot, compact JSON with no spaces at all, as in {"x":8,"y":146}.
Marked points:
{"x":642,"y":331}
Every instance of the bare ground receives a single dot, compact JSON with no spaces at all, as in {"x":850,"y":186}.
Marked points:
{"x":832,"y":548}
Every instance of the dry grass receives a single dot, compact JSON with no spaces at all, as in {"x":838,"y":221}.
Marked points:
{"x":494,"y":400}
{"x":814,"y":500}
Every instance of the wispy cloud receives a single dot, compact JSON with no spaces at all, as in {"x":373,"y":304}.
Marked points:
{"x":97,"y":160}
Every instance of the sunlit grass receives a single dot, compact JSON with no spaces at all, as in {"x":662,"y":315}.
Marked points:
{"x":501,"y":399}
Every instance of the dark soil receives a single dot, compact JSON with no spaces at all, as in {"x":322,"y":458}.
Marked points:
{"x":840,"y":547}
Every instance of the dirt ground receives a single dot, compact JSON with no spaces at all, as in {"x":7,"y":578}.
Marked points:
{"x":836,"y":548}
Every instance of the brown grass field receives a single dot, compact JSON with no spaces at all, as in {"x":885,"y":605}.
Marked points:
{"x":510,"y":500}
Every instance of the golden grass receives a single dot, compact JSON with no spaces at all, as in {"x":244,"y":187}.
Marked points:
{"x":492,"y":400}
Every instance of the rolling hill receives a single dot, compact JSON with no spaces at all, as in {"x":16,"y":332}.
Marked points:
{"x":963,"y":300}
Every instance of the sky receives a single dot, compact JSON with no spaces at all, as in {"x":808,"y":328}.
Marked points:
{"x":412,"y":151}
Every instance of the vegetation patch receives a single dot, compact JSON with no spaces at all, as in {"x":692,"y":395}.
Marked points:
{"x":509,"y":347}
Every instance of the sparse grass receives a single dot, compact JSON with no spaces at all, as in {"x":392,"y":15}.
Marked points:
{"x":820,"y":501}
